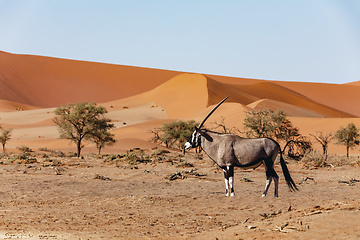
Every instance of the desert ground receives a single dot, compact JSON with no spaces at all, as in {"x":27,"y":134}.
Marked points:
{"x":172,"y":196}
{"x":49,"y":194}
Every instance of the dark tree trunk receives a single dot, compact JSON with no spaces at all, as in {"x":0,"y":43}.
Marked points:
{"x":78,"y":145}
{"x":325,"y":151}
{"x":99,"y":148}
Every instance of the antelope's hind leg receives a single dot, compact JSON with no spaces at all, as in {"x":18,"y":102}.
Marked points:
{"x":268,"y":182}
{"x":276,"y":181}
{"x":270,"y":175}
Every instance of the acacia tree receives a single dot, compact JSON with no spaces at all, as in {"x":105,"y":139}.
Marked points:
{"x":223,"y":128}
{"x":261,"y":123}
{"x":83,"y":121}
{"x":276,"y":125}
{"x":5,"y":136}
{"x":348,"y":136}
{"x":102,"y":137}
{"x":174,"y":134}
{"x":324,"y":139}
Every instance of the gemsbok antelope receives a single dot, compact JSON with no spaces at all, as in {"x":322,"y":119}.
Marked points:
{"x":229,"y":151}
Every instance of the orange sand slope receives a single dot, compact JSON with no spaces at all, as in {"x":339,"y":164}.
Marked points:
{"x":139,"y":99}
{"x":49,"y":82}
{"x":8,"y":106}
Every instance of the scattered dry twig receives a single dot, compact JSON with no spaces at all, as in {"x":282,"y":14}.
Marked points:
{"x":305,"y":180}
{"x":97,"y":176}
{"x":350,"y":182}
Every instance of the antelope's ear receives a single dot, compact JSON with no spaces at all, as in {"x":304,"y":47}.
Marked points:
{"x":205,"y":135}
{"x":196,"y":128}
{"x":200,"y":131}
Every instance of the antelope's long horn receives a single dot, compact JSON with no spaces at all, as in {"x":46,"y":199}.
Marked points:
{"x":212,"y":111}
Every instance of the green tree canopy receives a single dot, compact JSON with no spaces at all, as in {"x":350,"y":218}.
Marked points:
{"x":5,"y":136}
{"x":348,"y":136}
{"x":276,"y":125}
{"x":102,"y":137}
{"x":174,"y":134}
{"x":83,"y":121}
{"x":268,"y":123}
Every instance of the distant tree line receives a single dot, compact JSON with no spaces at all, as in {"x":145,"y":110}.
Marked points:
{"x":88,"y":122}
{"x":263,"y":123}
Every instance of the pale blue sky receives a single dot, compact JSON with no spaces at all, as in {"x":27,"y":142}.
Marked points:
{"x":303,"y":40}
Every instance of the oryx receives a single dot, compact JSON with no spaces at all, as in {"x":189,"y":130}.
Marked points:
{"x":229,"y":151}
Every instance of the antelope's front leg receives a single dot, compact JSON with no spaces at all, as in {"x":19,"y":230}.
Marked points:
{"x":229,"y":180}
{"x":226,"y":177}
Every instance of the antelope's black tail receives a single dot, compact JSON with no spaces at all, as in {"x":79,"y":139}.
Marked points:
{"x":290,"y":182}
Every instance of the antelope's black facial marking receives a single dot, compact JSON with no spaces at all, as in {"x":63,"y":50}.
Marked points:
{"x":193,"y":140}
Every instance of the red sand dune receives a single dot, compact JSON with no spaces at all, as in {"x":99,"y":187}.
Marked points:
{"x":8,"y":106}
{"x":343,"y":97}
{"x":139,"y":99}
{"x":181,"y":96}
{"x":291,"y":110}
{"x":356,"y":83}
{"x":49,"y":82}
{"x":246,"y":94}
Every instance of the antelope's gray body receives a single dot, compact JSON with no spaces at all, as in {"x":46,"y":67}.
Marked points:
{"x":229,"y":151}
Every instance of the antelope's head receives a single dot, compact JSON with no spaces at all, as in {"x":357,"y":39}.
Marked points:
{"x":194,"y":140}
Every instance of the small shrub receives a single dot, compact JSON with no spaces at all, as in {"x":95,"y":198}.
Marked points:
{"x":184,"y":164}
{"x":44,"y":156}
{"x":245,"y":179}
{"x":30,"y":160}
{"x":44,"y":149}
{"x":54,"y":163}
{"x":111,"y":158}
{"x":23,"y":156}
{"x":184,"y":174}
{"x":340,"y":160}
{"x":100,"y":177}
{"x":136,"y":156}
{"x":313,"y":158}
{"x":158,"y":155}
{"x":71,"y":154}
{"x":159,"y":152}
{"x":10,"y":160}
{"x":357,"y":162}
{"x":57,"y":153}
{"x":25,"y":149}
